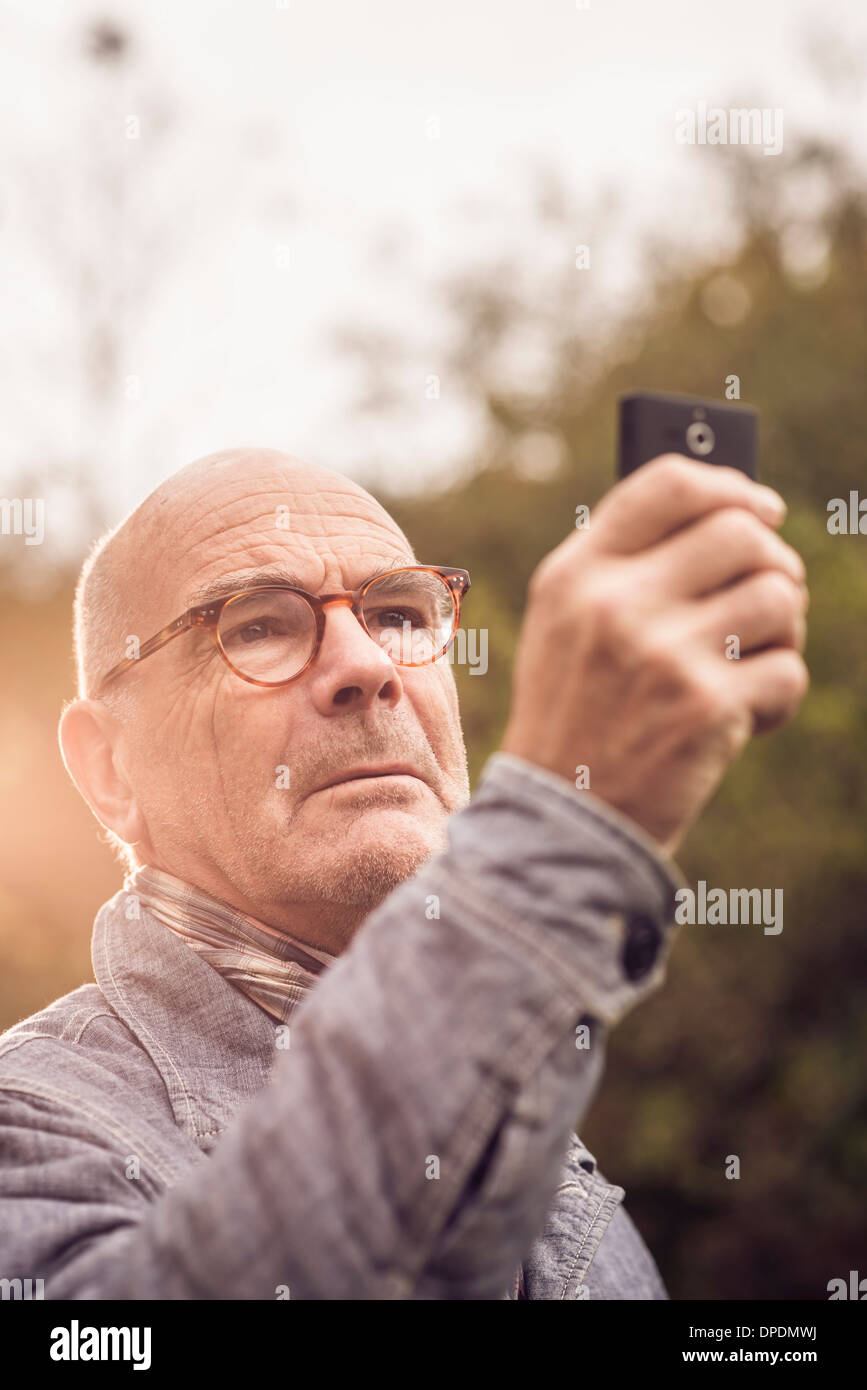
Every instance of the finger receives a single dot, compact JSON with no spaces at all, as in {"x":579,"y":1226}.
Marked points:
{"x":670,"y":492}
{"x":773,"y":683}
{"x":767,"y":609}
{"x":718,"y":549}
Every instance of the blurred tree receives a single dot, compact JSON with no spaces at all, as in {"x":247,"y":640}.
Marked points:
{"x":96,"y":241}
{"x":98,"y":211}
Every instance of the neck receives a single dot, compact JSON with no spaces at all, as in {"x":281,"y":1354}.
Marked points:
{"x":326,"y":922}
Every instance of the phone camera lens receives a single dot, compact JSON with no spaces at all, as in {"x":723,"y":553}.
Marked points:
{"x":700,"y":437}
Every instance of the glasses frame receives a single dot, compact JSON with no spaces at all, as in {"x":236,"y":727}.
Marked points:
{"x":207,"y":616}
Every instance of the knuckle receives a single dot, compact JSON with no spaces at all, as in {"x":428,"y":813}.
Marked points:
{"x":679,"y":673}
{"x":604,"y":609}
{"x":752,"y":543}
{"x":661,"y":652}
{"x":546,"y":578}
{"x":600,"y":599}
{"x":596,"y":608}
{"x":676,"y":475}
{"x":776,"y":595}
{"x":557,"y":570}
{"x":736,"y":530}
{"x":707,"y":706}
{"x":794,"y":677}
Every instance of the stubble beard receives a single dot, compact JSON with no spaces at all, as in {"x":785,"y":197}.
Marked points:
{"x":336,"y":888}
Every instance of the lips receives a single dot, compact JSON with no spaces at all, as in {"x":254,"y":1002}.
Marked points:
{"x":376,"y":770}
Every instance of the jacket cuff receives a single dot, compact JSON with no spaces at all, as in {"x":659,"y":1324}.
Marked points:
{"x":594,"y":892}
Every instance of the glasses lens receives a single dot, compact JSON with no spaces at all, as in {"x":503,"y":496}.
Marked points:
{"x":267,"y":636}
{"x":411,"y":614}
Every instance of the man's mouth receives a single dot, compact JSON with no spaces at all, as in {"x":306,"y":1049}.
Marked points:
{"x":379,"y":770}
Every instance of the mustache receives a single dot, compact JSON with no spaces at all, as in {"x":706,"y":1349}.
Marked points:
{"x":313,"y":765}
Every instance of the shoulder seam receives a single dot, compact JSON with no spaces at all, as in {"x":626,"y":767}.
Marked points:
{"x":91,"y":1018}
{"x":10,"y":1085}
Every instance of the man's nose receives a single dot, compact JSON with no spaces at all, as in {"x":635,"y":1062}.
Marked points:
{"x":351,"y":670}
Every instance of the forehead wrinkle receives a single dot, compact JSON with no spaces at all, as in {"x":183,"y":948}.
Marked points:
{"x":264,"y":575}
{"x":262,"y":546}
{"x":239,"y":475}
{"x":372,"y":514}
{"x":264,"y":549}
{"x":270,"y":564}
{"x":238,"y":489}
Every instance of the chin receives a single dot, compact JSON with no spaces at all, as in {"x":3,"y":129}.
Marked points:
{"x":371,"y":862}
{"x":344,"y":860}
{"x":395,"y":834}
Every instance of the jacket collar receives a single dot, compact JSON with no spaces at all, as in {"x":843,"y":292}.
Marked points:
{"x":213,"y":1047}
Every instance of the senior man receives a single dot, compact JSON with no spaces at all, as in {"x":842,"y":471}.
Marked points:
{"x":267,"y":724}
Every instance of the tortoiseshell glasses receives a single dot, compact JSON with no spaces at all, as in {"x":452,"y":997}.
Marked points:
{"x":270,"y":634}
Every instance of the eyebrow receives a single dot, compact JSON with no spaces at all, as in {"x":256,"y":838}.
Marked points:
{"x":271,"y":574}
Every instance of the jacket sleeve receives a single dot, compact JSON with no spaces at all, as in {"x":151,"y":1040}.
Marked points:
{"x":409,"y":1142}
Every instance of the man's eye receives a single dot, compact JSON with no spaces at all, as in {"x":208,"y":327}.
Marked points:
{"x":248,"y":633}
{"x":254,"y":632}
{"x":396,"y":617}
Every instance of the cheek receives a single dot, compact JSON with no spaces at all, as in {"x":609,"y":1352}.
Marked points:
{"x":247,"y":741}
{"x":450,"y":701}
{"x":222,"y":745}
{"x":435,"y":701}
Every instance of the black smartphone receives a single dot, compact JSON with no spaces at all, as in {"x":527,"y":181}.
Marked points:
{"x":653,"y":423}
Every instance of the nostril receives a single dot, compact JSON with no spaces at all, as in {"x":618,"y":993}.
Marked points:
{"x":346,"y":693}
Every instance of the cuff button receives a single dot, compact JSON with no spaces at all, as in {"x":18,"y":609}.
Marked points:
{"x":641,"y":946}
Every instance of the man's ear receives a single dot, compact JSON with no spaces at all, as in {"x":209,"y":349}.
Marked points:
{"x":90,"y":743}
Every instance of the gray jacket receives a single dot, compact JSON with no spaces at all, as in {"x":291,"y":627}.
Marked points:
{"x":411,"y":1135}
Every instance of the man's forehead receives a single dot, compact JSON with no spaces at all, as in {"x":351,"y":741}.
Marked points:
{"x":328,"y":535}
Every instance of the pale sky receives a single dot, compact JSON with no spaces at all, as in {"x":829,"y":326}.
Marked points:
{"x":306,"y":136}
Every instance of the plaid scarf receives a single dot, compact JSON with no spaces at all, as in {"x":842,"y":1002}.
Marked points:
{"x":265,"y":964}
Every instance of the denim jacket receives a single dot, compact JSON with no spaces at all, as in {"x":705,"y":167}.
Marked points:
{"x":410,"y":1136}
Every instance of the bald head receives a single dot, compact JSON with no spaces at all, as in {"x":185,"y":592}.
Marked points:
{"x":128,"y":581}
{"x":245,"y":790}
